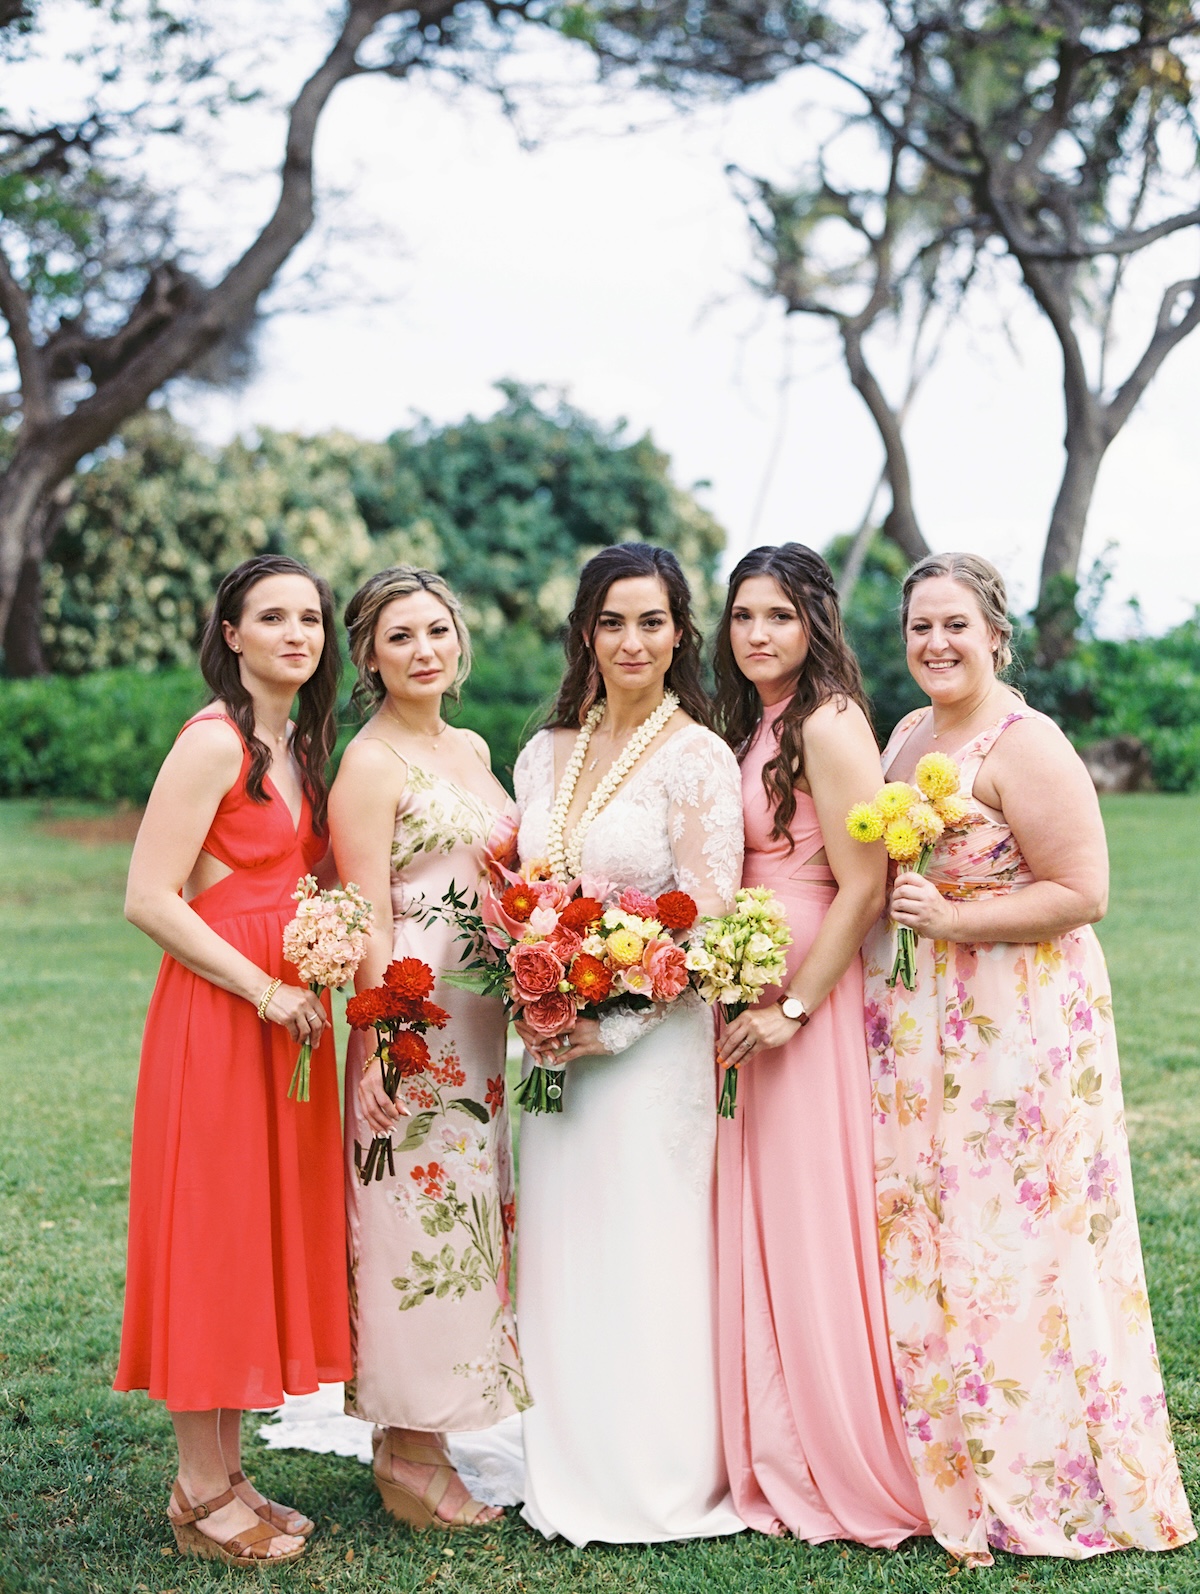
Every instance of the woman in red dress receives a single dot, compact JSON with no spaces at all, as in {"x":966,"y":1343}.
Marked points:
{"x":236,"y":1282}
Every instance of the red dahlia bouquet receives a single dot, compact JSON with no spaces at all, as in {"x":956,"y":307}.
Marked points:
{"x":399,"y":1011}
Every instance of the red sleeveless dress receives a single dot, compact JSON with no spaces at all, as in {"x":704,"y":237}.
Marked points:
{"x":235,"y":1289}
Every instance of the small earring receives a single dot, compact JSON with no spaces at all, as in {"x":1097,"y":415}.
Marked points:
{"x":677,"y":647}
{"x":237,"y":650}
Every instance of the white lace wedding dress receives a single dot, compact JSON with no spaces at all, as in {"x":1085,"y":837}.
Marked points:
{"x":615,"y":1253}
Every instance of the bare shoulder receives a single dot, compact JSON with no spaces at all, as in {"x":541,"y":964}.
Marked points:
{"x":835,"y":721}
{"x":371,"y":758}
{"x":478,"y":746}
{"x":209,"y":743}
{"x":1032,"y":739}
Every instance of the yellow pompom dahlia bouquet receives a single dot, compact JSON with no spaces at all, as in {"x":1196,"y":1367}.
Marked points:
{"x":909,"y":820}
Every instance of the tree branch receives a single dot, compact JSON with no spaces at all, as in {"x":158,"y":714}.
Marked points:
{"x":1167,"y":334}
{"x":14,"y":306}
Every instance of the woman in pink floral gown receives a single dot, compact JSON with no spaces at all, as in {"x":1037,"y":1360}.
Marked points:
{"x":1021,"y":1334}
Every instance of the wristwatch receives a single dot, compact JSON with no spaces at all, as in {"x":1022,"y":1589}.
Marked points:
{"x":792,"y":1007}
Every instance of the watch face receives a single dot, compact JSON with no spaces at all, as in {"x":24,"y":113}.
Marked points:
{"x":793,"y":1008}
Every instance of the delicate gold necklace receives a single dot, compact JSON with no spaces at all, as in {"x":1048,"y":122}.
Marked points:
{"x":430,"y":736}
{"x":966,"y":720}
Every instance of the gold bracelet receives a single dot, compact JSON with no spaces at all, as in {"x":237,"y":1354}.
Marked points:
{"x":264,"y":1000}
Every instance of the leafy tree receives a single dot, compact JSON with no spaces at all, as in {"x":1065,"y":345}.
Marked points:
{"x":507,"y":508}
{"x":100,"y":304}
{"x":1059,"y":135}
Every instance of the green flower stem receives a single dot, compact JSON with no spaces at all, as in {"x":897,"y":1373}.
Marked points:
{"x":727,"y":1105}
{"x":904,"y":968}
{"x":540,"y":1090}
{"x":299,"y":1085}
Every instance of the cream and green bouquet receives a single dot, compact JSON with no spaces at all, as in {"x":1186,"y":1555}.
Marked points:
{"x":733,"y":958}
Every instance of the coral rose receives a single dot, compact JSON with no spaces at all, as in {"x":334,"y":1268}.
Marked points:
{"x":638,"y":903}
{"x":564,"y":943}
{"x":536,"y":969}
{"x":552,"y":894}
{"x":664,"y":962}
{"x":551,"y":1014}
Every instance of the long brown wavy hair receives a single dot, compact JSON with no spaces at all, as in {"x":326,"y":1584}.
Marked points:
{"x":830,"y":672}
{"x":316,"y":721}
{"x":582,"y":684}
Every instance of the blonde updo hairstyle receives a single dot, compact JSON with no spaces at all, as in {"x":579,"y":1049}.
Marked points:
{"x":362,"y":619}
{"x":982,"y":580}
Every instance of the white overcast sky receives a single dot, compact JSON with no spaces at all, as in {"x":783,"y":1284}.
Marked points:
{"x":614,"y":265}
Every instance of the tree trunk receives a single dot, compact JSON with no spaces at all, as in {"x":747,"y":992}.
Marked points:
{"x":23,"y":654}
{"x":901,"y":522}
{"x":1056,"y":614}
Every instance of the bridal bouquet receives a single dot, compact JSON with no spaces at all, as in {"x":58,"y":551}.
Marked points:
{"x":909,"y":820}
{"x":735,"y":957}
{"x":325,"y":943}
{"x":554,"y":953}
{"x":399,"y":1011}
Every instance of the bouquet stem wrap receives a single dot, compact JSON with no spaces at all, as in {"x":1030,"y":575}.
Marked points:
{"x":541,"y":1090}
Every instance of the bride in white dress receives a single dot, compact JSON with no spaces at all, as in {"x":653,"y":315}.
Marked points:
{"x":616,"y":1279}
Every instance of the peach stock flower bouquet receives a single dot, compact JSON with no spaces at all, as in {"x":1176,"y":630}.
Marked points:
{"x":325,"y":942}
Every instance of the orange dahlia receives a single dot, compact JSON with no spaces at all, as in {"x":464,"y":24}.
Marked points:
{"x":581,"y":914}
{"x":589,"y":978}
{"x":364,"y":1009}
{"x":519,"y":901}
{"x":409,"y":977}
{"x":410,"y":1052}
{"x":676,"y":910}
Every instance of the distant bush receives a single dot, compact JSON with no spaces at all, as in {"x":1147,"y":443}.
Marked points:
{"x":103,"y":736}
{"x":100,"y":736}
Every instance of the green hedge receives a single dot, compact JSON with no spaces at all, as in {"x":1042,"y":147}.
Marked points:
{"x":99,"y":736}
{"x":103,"y":736}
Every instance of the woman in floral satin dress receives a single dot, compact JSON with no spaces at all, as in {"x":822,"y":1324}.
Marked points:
{"x":412,"y":810}
{"x":1021,"y":1333}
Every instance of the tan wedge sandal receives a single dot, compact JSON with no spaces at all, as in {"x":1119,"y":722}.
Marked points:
{"x":405,"y":1504}
{"x":277,"y":1515}
{"x":243,"y":1549}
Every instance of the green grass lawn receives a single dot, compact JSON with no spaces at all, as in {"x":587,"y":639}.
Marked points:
{"x":85,"y":1472}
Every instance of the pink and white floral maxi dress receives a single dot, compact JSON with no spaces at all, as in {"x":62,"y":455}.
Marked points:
{"x":1024,"y":1352}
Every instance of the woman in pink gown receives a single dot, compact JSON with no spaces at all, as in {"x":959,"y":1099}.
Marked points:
{"x":813,"y":1437}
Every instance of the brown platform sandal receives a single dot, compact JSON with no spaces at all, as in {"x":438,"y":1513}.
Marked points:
{"x":277,"y":1515}
{"x":243,"y":1549}
{"x":405,"y":1504}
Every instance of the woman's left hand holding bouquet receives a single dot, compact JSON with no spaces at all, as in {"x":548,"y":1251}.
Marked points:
{"x":917,"y":903}
{"x":556,"y":1051}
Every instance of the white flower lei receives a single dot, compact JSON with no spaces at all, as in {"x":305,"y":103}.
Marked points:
{"x":567,"y":861}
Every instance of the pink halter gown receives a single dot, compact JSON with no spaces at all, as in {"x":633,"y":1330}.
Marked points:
{"x":813,"y":1437}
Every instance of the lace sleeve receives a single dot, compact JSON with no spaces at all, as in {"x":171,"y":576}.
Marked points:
{"x":527,"y":771}
{"x":704,"y":817}
{"x":707,"y":836}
